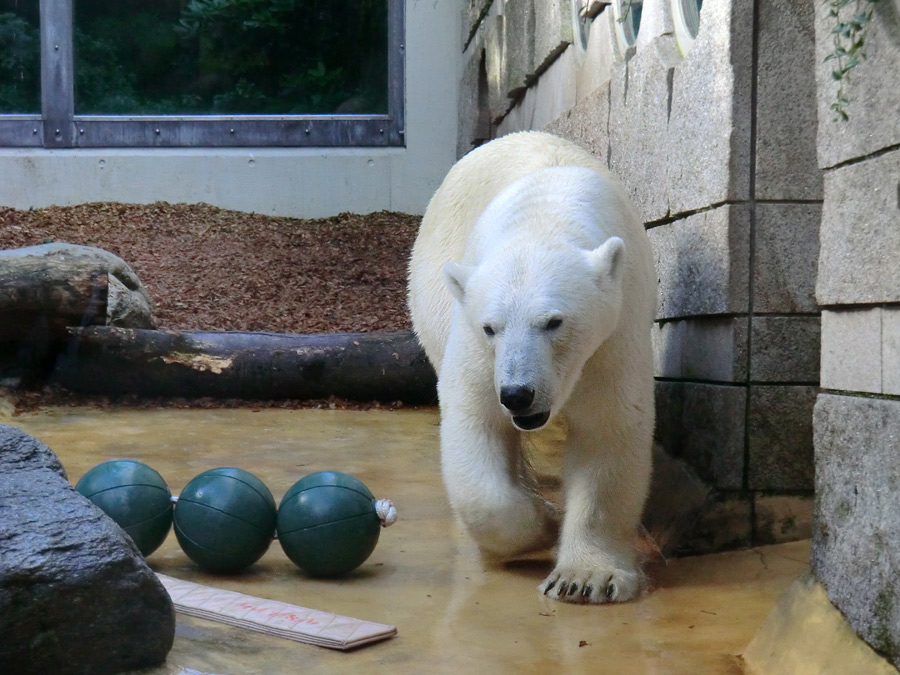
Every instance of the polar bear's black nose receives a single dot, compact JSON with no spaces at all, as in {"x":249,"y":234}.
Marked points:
{"x":516,"y":398}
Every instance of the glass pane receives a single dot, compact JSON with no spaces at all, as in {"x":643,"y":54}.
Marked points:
{"x":20,"y":57}
{"x":691,"y":9}
{"x":270,"y":57}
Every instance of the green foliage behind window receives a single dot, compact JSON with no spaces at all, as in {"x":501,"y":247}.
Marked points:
{"x":20,"y":64}
{"x":230,"y":57}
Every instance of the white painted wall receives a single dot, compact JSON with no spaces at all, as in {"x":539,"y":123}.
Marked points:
{"x":306,"y":183}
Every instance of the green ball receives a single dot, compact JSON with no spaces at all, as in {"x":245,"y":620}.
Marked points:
{"x":133,"y":495}
{"x":225,"y":519}
{"x":327,"y":524}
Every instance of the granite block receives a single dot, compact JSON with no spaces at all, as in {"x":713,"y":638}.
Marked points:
{"x":785,"y":349}
{"x":786,"y":253}
{"x":709,"y":124}
{"x":495,"y":65}
{"x":707,"y":348}
{"x":553,"y":31}
{"x":860,"y":237}
{"x":473,"y":15}
{"x":786,"y":165}
{"x":702,"y":262}
{"x":781,"y":518}
{"x":873,"y":88}
{"x":518,"y":43}
{"x":890,"y":350}
{"x":639,"y":126}
{"x":587,"y":124}
{"x":780,"y":437}
{"x":474,"y":114}
{"x":725,"y":523}
{"x":704,"y":425}
{"x":856,"y":551}
{"x":851,"y":349}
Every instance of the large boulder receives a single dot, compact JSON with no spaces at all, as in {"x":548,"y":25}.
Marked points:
{"x":75,"y":594}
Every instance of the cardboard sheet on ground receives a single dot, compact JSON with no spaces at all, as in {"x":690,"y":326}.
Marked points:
{"x":272,"y":617}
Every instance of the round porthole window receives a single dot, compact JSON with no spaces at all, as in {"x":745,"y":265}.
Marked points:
{"x":686,"y":14}
{"x":581,"y":24}
{"x":627,"y":15}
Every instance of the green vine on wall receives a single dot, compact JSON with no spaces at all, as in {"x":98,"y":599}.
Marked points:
{"x":849,"y":41}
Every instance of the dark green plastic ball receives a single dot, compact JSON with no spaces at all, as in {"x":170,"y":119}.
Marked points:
{"x":225,"y":519}
{"x":327,"y":524}
{"x":133,"y":495}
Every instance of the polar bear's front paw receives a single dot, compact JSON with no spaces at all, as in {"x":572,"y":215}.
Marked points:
{"x":593,"y":586}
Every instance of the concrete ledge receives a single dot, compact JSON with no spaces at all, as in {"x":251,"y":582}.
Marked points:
{"x":805,"y":634}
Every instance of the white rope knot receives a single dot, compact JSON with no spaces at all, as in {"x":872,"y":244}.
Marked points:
{"x":386,"y":511}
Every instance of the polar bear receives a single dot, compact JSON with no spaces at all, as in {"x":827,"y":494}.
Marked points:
{"x":532,"y":290}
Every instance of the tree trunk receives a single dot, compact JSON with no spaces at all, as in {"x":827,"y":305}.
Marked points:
{"x":262,"y":366}
{"x":42,"y":297}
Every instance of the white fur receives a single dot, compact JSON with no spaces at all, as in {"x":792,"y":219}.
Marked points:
{"x":531,"y":237}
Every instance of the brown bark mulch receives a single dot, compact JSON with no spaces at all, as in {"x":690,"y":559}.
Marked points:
{"x":207,"y":268}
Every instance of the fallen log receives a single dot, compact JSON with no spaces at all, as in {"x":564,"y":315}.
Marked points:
{"x":263,"y":366}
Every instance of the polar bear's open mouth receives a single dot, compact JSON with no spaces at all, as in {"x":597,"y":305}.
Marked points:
{"x":531,"y":422}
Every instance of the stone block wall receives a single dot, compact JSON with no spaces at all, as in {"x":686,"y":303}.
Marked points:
{"x":856,"y":554}
{"x":716,"y":143}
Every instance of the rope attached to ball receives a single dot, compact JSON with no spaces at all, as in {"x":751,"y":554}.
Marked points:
{"x":386,"y":511}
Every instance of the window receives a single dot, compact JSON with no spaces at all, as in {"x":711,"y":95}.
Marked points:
{"x":686,"y":14}
{"x":627,"y":15}
{"x":194,"y":73}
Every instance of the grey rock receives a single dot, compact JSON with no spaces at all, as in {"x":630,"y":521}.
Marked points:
{"x":21,"y":452}
{"x":873,"y":88}
{"x":706,"y":348}
{"x":709,"y":124}
{"x":780,"y":438}
{"x":786,"y":165}
{"x":702,"y":262}
{"x":704,"y":425}
{"x":75,"y":594}
{"x":786,"y":253}
{"x":860,"y":237}
{"x":856,"y":551}
{"x":785,"y":349}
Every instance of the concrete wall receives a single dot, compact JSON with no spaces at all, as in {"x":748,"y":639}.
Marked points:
{"x":285,"y":182}
{"x":716,"y":142}
{"x":856,"y":550}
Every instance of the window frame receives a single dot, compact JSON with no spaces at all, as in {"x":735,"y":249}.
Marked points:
{"x":59,"y":127}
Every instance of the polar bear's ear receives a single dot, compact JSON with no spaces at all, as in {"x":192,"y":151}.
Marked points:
{"x":609,"y":260}
{"x":457,"y":276}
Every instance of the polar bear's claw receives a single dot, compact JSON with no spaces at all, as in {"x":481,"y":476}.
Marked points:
{"x":596,"y":588}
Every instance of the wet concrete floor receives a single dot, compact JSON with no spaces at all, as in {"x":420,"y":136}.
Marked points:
{"x":453,"y":614}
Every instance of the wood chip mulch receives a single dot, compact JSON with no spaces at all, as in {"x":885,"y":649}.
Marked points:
{"x":212,"y":269}
{"x":207,"y":268}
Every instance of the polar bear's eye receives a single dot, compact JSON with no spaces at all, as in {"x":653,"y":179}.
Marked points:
{"x":488,"y":330}
{"x":554,"y":323}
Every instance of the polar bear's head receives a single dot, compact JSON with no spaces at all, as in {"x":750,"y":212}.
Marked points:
{"x":540,"y":315}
